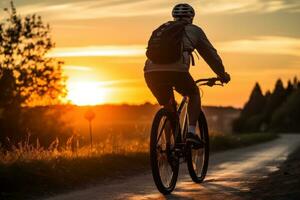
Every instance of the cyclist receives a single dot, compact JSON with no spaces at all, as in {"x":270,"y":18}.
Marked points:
{"x":162,"y":78}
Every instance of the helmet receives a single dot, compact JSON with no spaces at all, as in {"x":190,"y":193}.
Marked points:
{"x":183,"y":10}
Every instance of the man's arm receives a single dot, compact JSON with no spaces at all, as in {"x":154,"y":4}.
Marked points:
{"x":209,"y":54}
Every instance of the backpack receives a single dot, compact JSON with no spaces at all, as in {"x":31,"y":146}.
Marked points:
{"x":165,"y":44}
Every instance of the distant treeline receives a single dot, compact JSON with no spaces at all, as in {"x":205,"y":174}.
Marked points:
{"x":47,"y":123}
{"x":276,"y":111}
{"x":28,"y":124}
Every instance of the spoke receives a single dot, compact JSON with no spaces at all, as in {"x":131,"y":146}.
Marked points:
{"x":164,"y":150}
{"x":198,"y":160}
{"x":166,"y":172}
{"x":161,"y":130}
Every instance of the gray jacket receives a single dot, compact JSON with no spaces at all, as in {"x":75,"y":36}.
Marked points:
{"x":194,"y":38}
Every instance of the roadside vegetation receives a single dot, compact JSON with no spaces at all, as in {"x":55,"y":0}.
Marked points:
{"x":225,"y":142}
{"x":30,"y":171}
{"x":275,"y":111}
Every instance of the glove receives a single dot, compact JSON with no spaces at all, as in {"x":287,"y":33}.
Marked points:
{"x":225,"y":78}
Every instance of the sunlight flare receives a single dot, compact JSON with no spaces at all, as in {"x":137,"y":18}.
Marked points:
{"x":86,"y":93}
{"x":116,"y":51}
{"x":77,"y":68}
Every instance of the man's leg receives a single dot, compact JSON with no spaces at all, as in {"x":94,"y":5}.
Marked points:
{"x":187,"y":87}
{"x":194,"y":108}
{"x":171,"y":107}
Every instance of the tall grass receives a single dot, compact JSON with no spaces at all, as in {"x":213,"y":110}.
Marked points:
{"x":24,"y":151}
{"x":29,"y":171}
{"x":113,"y":144}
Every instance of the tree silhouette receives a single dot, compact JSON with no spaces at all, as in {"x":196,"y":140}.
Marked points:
{"x":27,"y":75}
{"x":276,"y":98}
{"x":295,"y":82}
{"x":290,"y":88}
{"x":255,"y":103}
{"x":276,"y":111}
{"x":250,"y":119}
{"x":286,"y":117}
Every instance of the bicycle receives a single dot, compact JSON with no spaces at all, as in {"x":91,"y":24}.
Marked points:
{"x":168,"y":146}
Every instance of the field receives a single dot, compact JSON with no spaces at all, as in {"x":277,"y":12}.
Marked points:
{"x":45,"y":171}
{"x":119,"y":148}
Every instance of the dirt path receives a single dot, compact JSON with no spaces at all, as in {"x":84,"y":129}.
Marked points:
{"x":229,"y":175}
{"x":283,"y":184}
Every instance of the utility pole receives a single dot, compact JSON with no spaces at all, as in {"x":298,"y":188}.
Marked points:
{"x":90,"y":115}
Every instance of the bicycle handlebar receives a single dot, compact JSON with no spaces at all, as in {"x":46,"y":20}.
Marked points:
{"x":210,"y":82}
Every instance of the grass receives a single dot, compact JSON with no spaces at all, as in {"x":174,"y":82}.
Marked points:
{"x":29,"y":171}
{"x":29,"y":180}
{"x":224,"y":142}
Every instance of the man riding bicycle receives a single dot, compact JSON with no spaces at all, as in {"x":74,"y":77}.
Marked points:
{"x":166,"y":69}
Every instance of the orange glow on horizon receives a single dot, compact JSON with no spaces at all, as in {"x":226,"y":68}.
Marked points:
{"x":86,"y":93}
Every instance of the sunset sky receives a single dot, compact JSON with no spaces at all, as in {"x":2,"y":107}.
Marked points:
{"x":103,"y":44}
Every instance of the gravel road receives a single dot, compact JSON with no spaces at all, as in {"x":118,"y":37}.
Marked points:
{"x":229,"y":175}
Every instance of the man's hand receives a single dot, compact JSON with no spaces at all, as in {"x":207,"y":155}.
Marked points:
{"x":225,"y":78}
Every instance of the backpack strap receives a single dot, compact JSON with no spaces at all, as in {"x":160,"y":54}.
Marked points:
{"x":191,"y":52}
{"x":192,"y":59}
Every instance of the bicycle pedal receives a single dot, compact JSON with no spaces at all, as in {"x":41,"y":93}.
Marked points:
{"x":177,"y":149}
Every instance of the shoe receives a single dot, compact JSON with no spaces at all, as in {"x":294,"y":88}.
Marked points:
{"x":194,"y":140}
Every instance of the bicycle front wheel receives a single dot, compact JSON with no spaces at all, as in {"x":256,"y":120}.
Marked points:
{"x":197,"y":159}
{"x":164,"y":163}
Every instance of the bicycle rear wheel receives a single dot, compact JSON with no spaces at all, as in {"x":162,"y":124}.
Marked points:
{"x":164,"y":163}
{"x":197,"y":159}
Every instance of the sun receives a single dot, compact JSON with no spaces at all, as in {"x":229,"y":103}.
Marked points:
{"x":86,"y":93}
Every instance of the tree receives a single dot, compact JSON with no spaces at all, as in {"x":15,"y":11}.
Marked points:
{"x":255,"y":103}
{"x":277,"y":111}
{"x":250,"y":119}
{"x":28,"y":76}
{"x":290,"y":88}
{"x":295,"y":82}
{"x":274,"y":101}
{"x":286,"y":117}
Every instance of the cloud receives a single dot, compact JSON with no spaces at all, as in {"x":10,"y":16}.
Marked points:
{"x":246,"y":6}
{"x":93,"y":9}
{"x":264,"y":45}
{"x":90,"y":51}
{"x":77,"y":68}
{"x":273,"y":45}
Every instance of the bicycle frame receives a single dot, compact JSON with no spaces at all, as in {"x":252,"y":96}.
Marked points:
{"x":181,"y":126}
{"x":182,"y":105}
{"x":209,"y":82}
